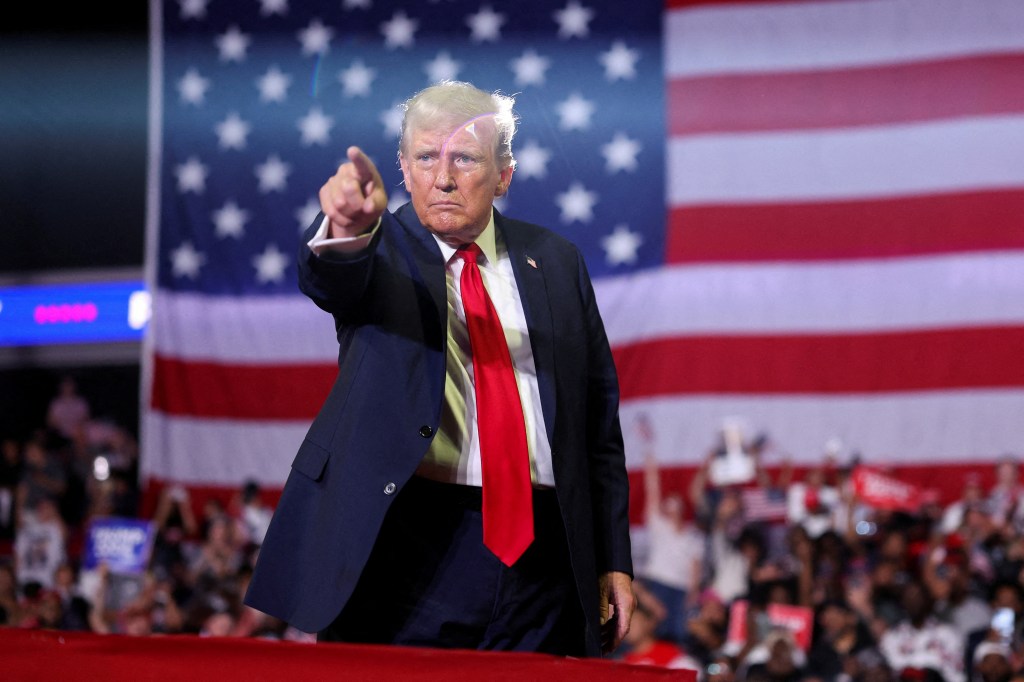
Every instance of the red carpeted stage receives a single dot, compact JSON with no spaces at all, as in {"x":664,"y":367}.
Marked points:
{"x":29,"y":655}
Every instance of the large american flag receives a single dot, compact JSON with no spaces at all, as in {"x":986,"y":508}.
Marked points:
{"x":805,"y":216}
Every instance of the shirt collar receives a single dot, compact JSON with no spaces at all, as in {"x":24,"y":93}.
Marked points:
{"x":487,"y":241}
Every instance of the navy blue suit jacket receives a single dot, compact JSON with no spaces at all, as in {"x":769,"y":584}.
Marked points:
{"x":390,"y":312}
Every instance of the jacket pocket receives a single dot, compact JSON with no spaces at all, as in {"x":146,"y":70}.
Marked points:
{"x":311,"y":460}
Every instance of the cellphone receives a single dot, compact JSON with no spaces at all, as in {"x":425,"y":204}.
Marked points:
{"x":1003,"y":621}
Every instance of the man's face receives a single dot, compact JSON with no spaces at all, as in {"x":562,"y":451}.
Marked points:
{"x":453,"y":176}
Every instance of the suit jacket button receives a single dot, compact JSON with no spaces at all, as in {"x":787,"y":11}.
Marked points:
{"x":390,"y":488}
{"x":426,"y":431}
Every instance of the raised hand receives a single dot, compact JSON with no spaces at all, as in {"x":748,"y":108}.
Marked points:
{"x":354,"y":197}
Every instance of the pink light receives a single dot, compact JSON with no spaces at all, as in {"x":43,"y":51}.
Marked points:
{"x":66,"y":313}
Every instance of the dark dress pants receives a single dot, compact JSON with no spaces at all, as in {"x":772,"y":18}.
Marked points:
{"x":430,"y":581}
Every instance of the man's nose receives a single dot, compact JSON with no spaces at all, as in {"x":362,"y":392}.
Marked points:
{"x":445,"y":179}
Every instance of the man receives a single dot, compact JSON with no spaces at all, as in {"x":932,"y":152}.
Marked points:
{"x":389,"y":527}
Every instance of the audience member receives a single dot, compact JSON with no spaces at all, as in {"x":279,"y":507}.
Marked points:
{"x":675,"y":557}
{"x":920,"y":644}
{"x":68,"y":411}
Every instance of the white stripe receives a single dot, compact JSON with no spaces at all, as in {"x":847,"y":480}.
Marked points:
{"x":882,"y":161}
{"x":906,"y":428}
{"x":242,"y":329}
{"x":829,"y":35}
{"x":218,"y":451}
{"x":965,"y":290}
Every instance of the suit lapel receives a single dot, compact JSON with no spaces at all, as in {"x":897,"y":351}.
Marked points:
{"x":431,"y":264}
{"x":528,"y":269}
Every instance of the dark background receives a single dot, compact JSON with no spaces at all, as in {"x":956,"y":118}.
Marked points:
{"x":73,"y":137}
{"x":73,"y":118}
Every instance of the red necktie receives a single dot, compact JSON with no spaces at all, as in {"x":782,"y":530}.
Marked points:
{"x":504,"y":455}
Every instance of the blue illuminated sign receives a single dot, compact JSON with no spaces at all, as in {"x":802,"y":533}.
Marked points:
{"x":97,"y":312}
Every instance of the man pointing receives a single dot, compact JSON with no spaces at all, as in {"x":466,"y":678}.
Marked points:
{"x":464,"y":483}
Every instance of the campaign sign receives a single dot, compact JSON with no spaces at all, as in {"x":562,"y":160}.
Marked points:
{"x":885,"y":492}
{"x":799,"y":620}
{"x":124,"y":545}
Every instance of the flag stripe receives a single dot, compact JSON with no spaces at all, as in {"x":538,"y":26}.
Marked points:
{"x":868,"y":228}
{"x":772,"y":36}
{"x":187,"y":325}
{"x":951,"y":426}
{"x":885,"y":161}
{"x":865,"y":363}
{"x":240,"y":392}
{"x":973,"y":290}
{"x":831,"y":296}
{"x":221,"y":451}
{"x":876,"y":95}
{"x":868,"y":363}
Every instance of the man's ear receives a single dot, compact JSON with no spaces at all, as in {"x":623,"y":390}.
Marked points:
{"x":504,"y":180}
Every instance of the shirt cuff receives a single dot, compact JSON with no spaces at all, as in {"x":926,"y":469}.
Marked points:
{"x":349,"y":245}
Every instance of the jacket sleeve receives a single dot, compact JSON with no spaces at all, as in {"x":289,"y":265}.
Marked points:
{"x":609,"y":482}
{"x":336,"y":282}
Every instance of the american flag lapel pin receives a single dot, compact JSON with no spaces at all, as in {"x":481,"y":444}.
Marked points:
{"x":532,"y":263}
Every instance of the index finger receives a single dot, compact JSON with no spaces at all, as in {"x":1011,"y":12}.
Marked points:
{"x":364,"y":167}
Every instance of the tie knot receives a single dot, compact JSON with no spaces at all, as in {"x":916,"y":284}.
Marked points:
{"x":469,"y":252}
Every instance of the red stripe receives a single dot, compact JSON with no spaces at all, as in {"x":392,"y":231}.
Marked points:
{"x":903,"y":226}
{"x":877,"y":95}
{"x":208,"y":389}
{"x":945,"y":479}
{"x":848,"y":363}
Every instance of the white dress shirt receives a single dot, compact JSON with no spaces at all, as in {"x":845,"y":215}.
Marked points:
{"x":454,"y":453}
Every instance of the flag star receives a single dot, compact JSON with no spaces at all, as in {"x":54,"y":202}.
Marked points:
{"x":307,"y":213}
{"x":621,"y":245}
{"x":573,"y":20}
{"x":532,"y":161}
{"x":273,"y":174}
{"x":575,"y":112}
{"x":620,"y":62}
{"x":232,"y":45}
{"x":270,"y":265}
{"x":229,"y":220}
{"x":356,"y":4}
{"x":232,"y":132}
{"x":620,"y":153}
{"x":273,"y":85}
{"x":316,"y":38}
{"x":186,"y":261}
{"x":392,"y":120}
{"x":485,"y":25}
{"x":315,"y":127}
{"x":193,"y":9}
{"x":442,"y":67}
{"x":192,"y":87}
{"x":397,"y":199}
{"x":398,"y":31}
{"x":192,"y":176}
{"x":356,"y":79}
{"x":530,"y":68}
{"x":269,"y":7}
{"x":577,"y":203}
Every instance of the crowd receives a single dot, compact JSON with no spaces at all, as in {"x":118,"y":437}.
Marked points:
{"x":76,"y":468}
{"x":822,"y":586}
{"x":784,"y":578}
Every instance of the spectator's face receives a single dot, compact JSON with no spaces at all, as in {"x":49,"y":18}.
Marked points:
{"x":453,"y":177}
{"x":916,"y":602}
{"x":995,"y":668}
